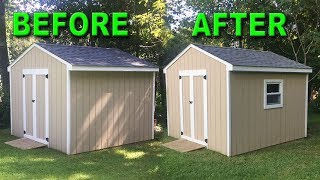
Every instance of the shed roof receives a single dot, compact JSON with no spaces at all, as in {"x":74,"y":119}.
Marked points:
{"x":95,"y":56}
{"x":252,"y":58}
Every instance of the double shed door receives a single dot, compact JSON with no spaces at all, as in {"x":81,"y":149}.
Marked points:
{"x":35,"y":105}
{"x":193,"y":105}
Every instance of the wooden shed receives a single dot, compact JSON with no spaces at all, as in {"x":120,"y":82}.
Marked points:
{"x":77,"y":99}
{"x":236,"y":100}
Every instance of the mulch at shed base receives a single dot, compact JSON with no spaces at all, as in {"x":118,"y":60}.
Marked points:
{"x":183,"y":145}
{"x":25,"y":143}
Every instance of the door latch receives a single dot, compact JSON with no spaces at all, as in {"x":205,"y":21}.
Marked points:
{"x":33,"y":100}
{"x":190,"y":102}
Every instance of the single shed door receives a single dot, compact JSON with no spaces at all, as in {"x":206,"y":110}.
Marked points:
{"x":193,"y":105}
{"x":35,"y":105}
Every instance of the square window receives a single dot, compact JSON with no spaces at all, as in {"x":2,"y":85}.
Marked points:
{"x":273,"y":94}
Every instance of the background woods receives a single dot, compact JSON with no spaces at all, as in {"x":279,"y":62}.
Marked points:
{"x":160,"y":29}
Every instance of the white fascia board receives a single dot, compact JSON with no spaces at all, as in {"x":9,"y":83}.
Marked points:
{"x":42,"y":49}
{"x":270,"y":69}
{"x":99,"y":68}
{"x":228,"y":65}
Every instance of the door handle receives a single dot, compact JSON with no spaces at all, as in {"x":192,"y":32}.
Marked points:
{"x":190,"y":102}
{"x":33,"y":100}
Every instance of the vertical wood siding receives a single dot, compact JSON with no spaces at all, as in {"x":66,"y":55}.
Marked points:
{"x":252,"y":126}
{"x":36,"y":59}
{"x":217,"y":97}
{"x":110,"y":109}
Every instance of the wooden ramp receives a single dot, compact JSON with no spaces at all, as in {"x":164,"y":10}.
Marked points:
{"x":25,"y":143}
{"x":183,"y":145}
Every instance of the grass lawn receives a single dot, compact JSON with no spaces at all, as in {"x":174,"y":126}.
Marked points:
{"x":295,"y":160}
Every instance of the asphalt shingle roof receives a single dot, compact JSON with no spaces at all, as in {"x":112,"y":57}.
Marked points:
{"x":252,"y":58}
{"x":95,"y":56}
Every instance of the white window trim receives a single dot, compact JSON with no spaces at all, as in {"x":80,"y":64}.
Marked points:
{"x":269,"y":81}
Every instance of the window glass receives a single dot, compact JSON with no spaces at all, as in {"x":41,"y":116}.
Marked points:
{"x":273,"y":99}
{"x":273,"y":88}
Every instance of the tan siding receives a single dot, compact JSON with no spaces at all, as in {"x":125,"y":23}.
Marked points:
{"x":216,"y":79}
{"x":252,"y":126}
{"x":36,"y":59}
{"x":115,"y":109}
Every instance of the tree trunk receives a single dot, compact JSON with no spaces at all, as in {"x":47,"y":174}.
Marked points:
{"x":4,"y":63}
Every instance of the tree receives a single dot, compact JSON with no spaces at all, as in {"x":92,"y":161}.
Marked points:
{"x":4,"y":63}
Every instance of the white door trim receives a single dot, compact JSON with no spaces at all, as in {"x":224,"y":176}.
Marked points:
{"x":191,"y":106}
{"x":34,"y":105}
{"x":191,"y":74}
{"x":34,"y":73}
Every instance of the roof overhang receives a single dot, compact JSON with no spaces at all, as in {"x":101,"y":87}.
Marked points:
{"x":231,"y":67}
{"x":82,"y":68}
{"x":98,"y":68}
{"x":270,"y":69}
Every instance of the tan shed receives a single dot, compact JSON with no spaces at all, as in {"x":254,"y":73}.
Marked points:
{"x":77,"y":99}
{"x":236,"y":100}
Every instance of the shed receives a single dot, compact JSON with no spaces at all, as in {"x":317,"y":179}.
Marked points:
{"x":236,"y":100}
{"x":77,"y":99}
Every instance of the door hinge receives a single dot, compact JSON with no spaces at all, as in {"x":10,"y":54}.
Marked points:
{"x":47,"y":76}
{"x":23,"y":75}
{"x":180,"y":77}
{"x":181,"y":133}
{"x":47,"y":139}
{"x":24,"y":132}
{"x":33,"y":100}
{"x":205,"y":77}
{"x":190,"y":102}
{"x":206,"y":140}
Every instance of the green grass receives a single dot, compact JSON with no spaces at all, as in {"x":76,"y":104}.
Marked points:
{"x":295,"y":160}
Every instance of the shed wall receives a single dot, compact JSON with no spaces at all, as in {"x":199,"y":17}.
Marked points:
{"x":37,"y":59}
{"x":253,"y":127}
{"x":110,"y":109}
{"x":217,"y":97}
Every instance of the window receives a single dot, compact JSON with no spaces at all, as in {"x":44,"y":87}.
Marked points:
{"x":273,"y":93}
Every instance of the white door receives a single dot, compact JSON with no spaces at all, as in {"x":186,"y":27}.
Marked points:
{"x":35,"y":105}
{"x":193,"y":105}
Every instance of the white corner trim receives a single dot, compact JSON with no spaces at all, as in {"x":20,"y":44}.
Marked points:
{"x":153,"y":101}
{"x":229,"y":66}
{"x":68,"y":113}
{"x":270,"y":69}
{"x":306,"y":107}
{"x":270,"y":81}
{"x":10,"y":89}
{"x":99,"y":68}
{"x":167,"y":102}
{"x":228,"y":113}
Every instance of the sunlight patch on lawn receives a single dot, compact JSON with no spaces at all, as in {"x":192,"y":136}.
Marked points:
{"x":154,"y":170}
{"x":79,"y":176}
{"x":130,"y":155}
{"x":7,"y":160}
{"x":41,"y":159}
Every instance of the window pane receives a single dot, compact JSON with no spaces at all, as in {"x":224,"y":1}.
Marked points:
{"x":273,"y":88}
{"x":273,"y":99}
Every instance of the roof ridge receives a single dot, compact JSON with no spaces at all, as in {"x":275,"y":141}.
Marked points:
{"x":232,"y":48}
{"x":51,"y":44}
